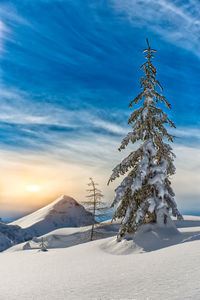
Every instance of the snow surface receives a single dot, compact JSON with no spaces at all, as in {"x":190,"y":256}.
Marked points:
{"x":107,"y":269}
{"x":63,"y":212}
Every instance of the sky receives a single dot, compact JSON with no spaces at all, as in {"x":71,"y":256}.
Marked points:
{"x":68,"y":71}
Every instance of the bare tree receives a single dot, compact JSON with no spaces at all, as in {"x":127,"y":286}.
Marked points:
{"x":95,"y":204}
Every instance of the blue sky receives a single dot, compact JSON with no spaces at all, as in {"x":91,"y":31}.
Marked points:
{"x":68,"y":72}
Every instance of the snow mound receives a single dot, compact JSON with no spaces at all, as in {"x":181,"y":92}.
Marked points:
{"x":63,"y":212}
{"x":149,"y":237}
{"x":123,"y":247}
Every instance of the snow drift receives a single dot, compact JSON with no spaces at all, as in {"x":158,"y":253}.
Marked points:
{"x":63,"y":212}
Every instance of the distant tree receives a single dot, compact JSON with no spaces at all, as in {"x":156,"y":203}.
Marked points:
{"x":95,"y":204}
{"x":42,"y":245}
{"x":146,"y":195}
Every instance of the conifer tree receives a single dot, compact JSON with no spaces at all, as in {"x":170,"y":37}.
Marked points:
{"x":145,"y":194}
{"x":94,"y":203}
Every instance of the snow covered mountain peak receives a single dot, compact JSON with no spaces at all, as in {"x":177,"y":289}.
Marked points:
{"x":63,"y":212}
{"x":63,"y":203}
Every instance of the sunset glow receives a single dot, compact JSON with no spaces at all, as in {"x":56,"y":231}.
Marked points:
{"x":33,"y":188}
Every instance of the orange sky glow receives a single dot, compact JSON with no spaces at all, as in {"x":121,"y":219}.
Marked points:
{"x":51,"y":177}
{"x":29,"y":182}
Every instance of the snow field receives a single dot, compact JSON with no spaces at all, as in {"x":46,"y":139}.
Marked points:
{"x":95,"y":270}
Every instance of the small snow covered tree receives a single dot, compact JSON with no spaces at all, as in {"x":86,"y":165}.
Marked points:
{"x":94,"y":203}
{"x":42,"y":245}
{"x":146,"y":195}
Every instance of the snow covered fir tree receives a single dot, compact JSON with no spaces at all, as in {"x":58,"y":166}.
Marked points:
{"x":145,"y":195}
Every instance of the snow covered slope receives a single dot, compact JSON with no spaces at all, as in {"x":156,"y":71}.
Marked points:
{"x":69,"y":236}
{"x":152,"y":238}
{"x":92,"y":271}
{"x":11,"y":235}
{"x":63,"y":212}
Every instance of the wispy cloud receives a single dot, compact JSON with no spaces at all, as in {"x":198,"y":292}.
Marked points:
{"x":17,"y":107}
{"x":187,"y":132}
{"x":177,"y":22}
{"x":42,"y":124}
{"x":3,"y":33}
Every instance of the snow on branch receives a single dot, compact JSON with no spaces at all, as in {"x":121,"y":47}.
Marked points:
{"x":127,"y":163}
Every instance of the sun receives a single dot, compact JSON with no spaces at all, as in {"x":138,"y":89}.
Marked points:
{"x":33,"y":188}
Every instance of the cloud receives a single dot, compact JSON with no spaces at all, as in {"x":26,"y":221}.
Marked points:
{"x":187,"y":178}
{"x":35,"y":125}
{"x":17,"y":107}
{"x":3,"y":33}
{"x":8,"y":12}
{"x":176,"y":22}
{"x":108,"y":126}
{"x":187,"y":132}
{"x":68,"y":134}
